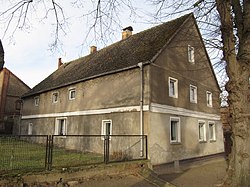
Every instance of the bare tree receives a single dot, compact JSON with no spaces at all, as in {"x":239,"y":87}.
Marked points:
{"x":225,"y":25}
{"x":102,"y":18}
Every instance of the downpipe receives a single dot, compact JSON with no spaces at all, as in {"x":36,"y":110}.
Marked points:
{"x":140,"y":65}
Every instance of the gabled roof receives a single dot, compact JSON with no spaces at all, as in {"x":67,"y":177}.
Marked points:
{"x":125,"y":54}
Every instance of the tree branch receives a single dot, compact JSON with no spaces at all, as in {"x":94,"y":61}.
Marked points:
{"x":238,"y":17}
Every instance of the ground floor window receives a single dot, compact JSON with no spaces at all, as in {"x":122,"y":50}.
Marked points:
{"x":106,"y":128}
{"x":212,"y":132}
{"x":61,"y":126}
{"x":175,"y":130}
{"x":202,"y":131}
{"x":30,"y":128}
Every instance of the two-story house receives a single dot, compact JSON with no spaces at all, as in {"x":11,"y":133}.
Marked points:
{"x":159,"y":82}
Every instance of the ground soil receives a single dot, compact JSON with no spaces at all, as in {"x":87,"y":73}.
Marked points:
{"x":206,"y":173}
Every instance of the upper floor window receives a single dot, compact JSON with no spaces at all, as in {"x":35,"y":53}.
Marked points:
{"x":36,"y":100}
{"x":72,"y":93}
{"x":173,"y":87}
{"x":209,"y":99}
{"x":61,"y":126}
{"x":175,"y":130}
{"x":202,"y":131}
{"x":212,"y":133}
{"x":193,"y":94}
{"x":190,"y":54}
{"x":55,"y":97}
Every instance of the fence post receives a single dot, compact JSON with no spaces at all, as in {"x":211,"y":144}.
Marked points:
{"x":46,"y":152}
{"x":50,"y":150}
{"x":106,"y":149}
{"x":146,"y":146}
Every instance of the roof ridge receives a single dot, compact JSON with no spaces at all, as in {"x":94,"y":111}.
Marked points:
{"x":134,"y":35}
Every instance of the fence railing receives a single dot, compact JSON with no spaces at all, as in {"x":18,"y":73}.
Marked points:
{"x":46,"y":152}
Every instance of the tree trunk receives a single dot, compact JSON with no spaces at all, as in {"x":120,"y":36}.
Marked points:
{"x":238,"y":87}
{"x":239,"y":97}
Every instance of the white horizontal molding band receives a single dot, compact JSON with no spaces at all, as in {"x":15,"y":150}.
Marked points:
{"x":88,"y":112}
{"x":159,"y":108}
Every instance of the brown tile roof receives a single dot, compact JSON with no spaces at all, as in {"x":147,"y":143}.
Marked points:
{"x":127,"y":53}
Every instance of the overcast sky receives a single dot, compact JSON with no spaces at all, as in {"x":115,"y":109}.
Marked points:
{"x":28,"y":54}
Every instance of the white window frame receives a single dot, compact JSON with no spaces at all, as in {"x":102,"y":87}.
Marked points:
{"x":70,"y":93}
{"x":58,"y":129}
{"x":36,"y":100}
{"x":103,"y":130}
{"x":30,"y":128}
{"x":193,"y":92}
{"x":178,"y":128}
{"x":212,"y":128}
{"x":209,"y":99}
{"x":191,"y":54}
{"x":55,"y":99}
{"x":202,"y":135}
{"x":173,"y":92}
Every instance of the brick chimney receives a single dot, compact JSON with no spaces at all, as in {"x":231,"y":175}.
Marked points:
{"x":59,"y":62}
{"x":127,"y":32}
{"x":93,"y":49}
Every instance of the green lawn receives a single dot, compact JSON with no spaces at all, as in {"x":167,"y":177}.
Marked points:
{"x":20,"y":154}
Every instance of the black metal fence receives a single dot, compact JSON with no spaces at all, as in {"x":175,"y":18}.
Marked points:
{"x":42,"y":152}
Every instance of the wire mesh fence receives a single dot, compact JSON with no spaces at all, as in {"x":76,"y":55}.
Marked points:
{"x":81,"y":149}
{"x":53,"y":151}
{"x":22,"y":152}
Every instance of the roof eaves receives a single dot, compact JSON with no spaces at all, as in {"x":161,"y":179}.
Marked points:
{"x":84,"y":79}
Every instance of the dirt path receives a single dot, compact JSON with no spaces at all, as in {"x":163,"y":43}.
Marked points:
{"x":118,"y":181}
{"x":205,"y":174}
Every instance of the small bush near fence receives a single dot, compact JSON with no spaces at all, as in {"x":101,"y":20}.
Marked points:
{"x":39,"y":152}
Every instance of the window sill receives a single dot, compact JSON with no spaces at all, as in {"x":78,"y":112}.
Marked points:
{"x":175,"y":143}
{"x":173,"y":96}
{"x":202,"y":141}
{"x":61,"y":136}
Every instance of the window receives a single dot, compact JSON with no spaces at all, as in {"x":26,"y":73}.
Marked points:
{"x":211,"y":127}
{"x":55,"y":97}
{"x":193,"y":94}
{"x":173,"y":87}
{"x":61,"y":126}
{"x":36,"y":100}
{"x":175,"y":131}
{"x":72,"y":93}
{"x":30,"y":128}
{"x":209,"y":99}
{"x":106,"y":128}
{"x":190,"y":54}
{"x":202,"y":131}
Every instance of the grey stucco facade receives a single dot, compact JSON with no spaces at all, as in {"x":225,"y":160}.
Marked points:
{"x":177,"y":126}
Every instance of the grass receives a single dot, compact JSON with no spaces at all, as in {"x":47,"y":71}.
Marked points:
{"x":22,"y":154}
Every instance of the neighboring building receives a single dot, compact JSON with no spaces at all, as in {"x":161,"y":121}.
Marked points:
{"x":159,"y":82}
{"x":11,"y":89}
